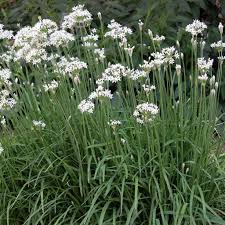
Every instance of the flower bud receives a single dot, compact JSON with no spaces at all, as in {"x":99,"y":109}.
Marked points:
{"x":140,"y":24}
{"x":150,"y":33}
{"x":213,"y":92}
{"x":212,"y":81}
{"x":216,"y":86}
{"x":178,"y":69}
{"x":182,"y":55}
{"x":203,"y":44}
{"x":99,"y":15}
{"x":220,"y":27}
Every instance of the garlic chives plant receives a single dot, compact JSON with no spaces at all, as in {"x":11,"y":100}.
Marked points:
{"x":98,"y":129}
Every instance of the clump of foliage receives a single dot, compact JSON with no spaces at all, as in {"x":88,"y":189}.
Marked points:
{"x":90,"y":135}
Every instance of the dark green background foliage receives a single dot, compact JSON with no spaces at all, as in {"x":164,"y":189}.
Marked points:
{"x":163,"y":16}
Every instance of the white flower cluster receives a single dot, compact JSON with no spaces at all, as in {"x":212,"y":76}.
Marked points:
{"x":31,"y":55}
{"x":114,"y":73}
{"x":165,"y":57}
{"x":30,"y":42}
{"x":86,"y":106}
{"x":129,"y":50}
{"x":114,"y":123}
{"x":117,"y":31}
{"x":46,"y":26}
{"x":5,"y":75}
{"x":218,"y":45}
{"x":5,"y":34}
{"x":136,"y":74}
{"x":196,"y":28}
{"x":204,"y":65}
{"x":148,"y":88}
{"x":145,"y":112}
{"x":158,"y":39}
{"x":39,"y":124}
{"x":79,"y":17}
{"x":7,"y":56}
{"x":101,"y":93}
{"x":60,"y":38}
{"x":148,"y":65}
{"x":90,"y":40}
{"x":52,"y":86}
{"x":100,"y":54}
{"x":6,"y":102}
{"x":203,"y":78}
{"x":71,"y":66}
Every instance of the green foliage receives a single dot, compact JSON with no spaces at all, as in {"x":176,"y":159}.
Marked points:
{"x":163,"y":16}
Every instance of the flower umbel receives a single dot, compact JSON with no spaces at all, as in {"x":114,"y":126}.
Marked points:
{"x":145,"y":112}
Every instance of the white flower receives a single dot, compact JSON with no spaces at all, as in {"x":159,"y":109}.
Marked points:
{"x":114,"y":123}
{"x":123,"y":140}
{"x":221,"y":58}
{"x":114,"y":73}
{"x":148,"y":65}
{"x":203,"y":78}
{"x":6,"y":102}
{"x":7,"y":56}
{"x":136,"y":74}
{"x":129,"y":50}
{"x":29,"y":45}
{"x":165,"y":57}
{"x":71,"y":66}
{"x":31,"y":55}
{"x":158,"y":39}
{"x":204,"y":65}
{"x":51,"y":86}
{"x":5,"y":34}
{"x":5,"y":75}
{"x":145,"y":112}
{"x":117,"y":31}
{"x":79,"y":17}
{"x":196,"y":27}
{"x":39,"y":124}
{"x":3,"y":121}
{"x":100,"y":54}
{"x":60,"y":38}
{"x":148,"y":88}
{"x":169,"y":53}
{"x":218,"y":45}
{"x":86,"y":106}
{"x":100,"y":82}
{"x":90,"y":40}
{"x":101,"y":93}
{"x":46,"y":26}
{"x":29,"y":36}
